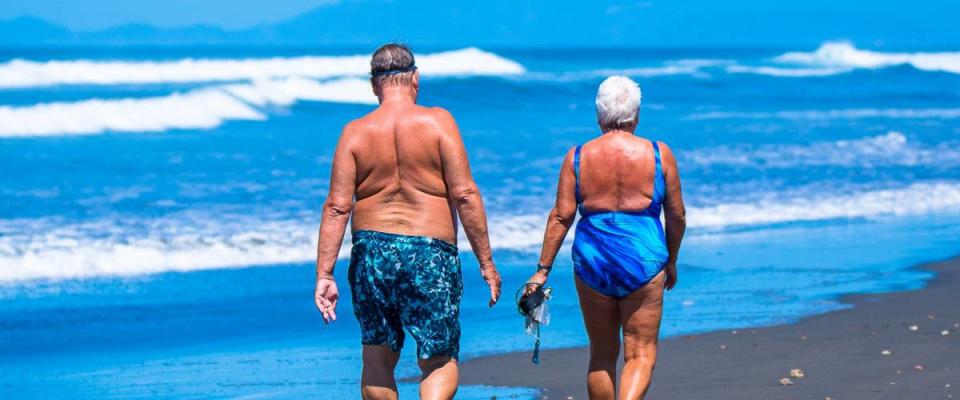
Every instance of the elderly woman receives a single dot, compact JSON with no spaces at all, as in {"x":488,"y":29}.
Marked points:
{"x":622,"y":259}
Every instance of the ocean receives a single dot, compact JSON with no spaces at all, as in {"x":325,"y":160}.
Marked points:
{"x":159,"y":206}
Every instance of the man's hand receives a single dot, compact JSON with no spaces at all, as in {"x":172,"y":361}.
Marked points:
{"x":492,"y":277}
{"x":671,"y":271}
{"x":326,"y":297}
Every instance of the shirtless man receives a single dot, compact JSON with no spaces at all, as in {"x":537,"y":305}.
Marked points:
{"x":401,"y":171}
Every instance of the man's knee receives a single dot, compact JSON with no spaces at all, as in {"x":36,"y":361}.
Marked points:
{"x":379,"y":359}
{"x":431,"y":364}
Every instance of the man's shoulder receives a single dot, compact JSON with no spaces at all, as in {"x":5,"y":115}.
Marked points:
{"x":432,"y":114}
{"x":430,"y":119}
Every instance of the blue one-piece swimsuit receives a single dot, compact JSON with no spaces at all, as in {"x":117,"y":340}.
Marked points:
{"x":617,"y":252}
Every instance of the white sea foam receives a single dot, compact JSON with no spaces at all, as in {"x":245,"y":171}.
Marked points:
{"x":918,"y":198}
{"x":786,"y":72}
{"x":53,"y":249}
{"x":845,"y":55}
{"x":692,"y":67}
{"x":856,"y":113}
{"x":197,"y":109}
{"x":891,"y":149}
{"x":25,"y":73}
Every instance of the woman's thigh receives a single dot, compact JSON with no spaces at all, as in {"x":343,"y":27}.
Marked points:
{"x":601,"y":317}
{"x":640,"y":314}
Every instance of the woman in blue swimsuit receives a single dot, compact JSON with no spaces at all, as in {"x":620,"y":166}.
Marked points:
{"x":623,"y":257}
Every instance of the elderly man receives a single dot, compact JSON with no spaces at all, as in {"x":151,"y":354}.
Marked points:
{"x":401,"y":171}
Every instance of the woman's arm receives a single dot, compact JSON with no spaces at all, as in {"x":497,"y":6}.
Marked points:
{"x":560,"y":220}
{"x":674,"y":213}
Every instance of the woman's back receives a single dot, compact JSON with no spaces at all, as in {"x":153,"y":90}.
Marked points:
{"x":617,"y":173}
{"x":620,"y":187}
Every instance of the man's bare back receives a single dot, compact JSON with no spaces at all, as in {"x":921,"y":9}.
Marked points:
{"x":400,"y":184}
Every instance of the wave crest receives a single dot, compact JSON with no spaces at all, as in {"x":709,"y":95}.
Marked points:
{"x":52,"y":249}
{"x":846,"y":55}
{"x":891,"y":149}
{"x":204,"y":108}
{"x":24,"y":73}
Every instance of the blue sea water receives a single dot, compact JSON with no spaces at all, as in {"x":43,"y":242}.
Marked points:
{"x":158,"y":207}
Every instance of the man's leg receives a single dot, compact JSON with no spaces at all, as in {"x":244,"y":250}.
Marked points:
{"x":640,"y":314}
{"x":438,"y":379}
{"x":376,"y":381}
{"x":602,"y":320}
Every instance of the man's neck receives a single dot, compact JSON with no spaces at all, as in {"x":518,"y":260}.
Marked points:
{"x":397,"y":95}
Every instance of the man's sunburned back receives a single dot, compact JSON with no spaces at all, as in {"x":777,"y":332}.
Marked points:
{"x":400,"y":185}
{"x":617,"y":173}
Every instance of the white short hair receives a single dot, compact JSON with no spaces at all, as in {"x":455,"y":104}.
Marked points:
{"x":618,"y":102}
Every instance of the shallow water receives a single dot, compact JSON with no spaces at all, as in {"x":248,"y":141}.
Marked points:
{"x":158,"y":241}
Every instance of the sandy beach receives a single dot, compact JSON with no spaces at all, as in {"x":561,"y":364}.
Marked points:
{"x":903,"y":345}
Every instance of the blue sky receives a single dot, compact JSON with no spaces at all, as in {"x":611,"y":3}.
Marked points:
{"x":98,"y":14}
{"x":874,"y":23}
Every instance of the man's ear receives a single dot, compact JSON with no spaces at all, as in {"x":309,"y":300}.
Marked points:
{"x":376,"y":90}
{"x":416,"y":79}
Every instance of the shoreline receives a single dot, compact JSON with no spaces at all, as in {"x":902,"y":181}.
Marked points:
{"x":868,"y":351}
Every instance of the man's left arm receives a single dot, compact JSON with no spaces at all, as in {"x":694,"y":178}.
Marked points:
{"x":336,"y":213}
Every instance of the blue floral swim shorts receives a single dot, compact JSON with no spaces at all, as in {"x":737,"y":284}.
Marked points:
{"x":407,"y":282}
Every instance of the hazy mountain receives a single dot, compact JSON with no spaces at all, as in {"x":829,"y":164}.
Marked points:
{"x":507,"y":23}
{"x":25,"y":31}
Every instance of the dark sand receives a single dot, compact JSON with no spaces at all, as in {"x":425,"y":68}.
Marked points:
{"x":841,"y":354}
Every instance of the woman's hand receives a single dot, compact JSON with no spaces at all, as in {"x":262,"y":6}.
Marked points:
{"x":539,"y":277}
{"x":325,"y":297}
{"x":671,"y":271}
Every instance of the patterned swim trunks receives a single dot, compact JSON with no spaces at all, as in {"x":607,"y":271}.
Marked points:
{"x":406,"y":282}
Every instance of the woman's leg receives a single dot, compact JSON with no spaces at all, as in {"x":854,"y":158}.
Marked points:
{"x":640,"y":314}
{"x":602,"y":320}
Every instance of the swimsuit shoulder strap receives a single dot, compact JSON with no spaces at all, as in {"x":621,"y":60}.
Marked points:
{"x":576,"y":171}
{"x":659,"y":181}
{"x":656,"y":156}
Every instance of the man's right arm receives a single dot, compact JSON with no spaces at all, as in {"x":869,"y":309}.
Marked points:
{"x":336,"y":213}
{"x":465,"y":196}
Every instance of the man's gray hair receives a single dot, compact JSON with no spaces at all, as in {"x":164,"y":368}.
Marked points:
{"x":618,"y":102}
{"x":392,"y":63}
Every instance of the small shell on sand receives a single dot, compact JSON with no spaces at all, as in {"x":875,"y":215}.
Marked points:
{"x":796,"y":373}
{"x":914,"y":327}
{"x":918,"y":367}
{"x":803,"y":337}
{"x":723,"y":347}
{"x":956,"y":325}
{"x":930,"y":316}
{"x":886,"y":352}
{"x":785,"y":382}
{"x":944,"y":332}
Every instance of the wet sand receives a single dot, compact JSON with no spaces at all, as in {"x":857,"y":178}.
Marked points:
{"x":903,"y":345}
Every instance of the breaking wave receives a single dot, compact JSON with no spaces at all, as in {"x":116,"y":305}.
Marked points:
{"x":891,"y":149}
{"x":857,"y":113}
{"x":203,"y":108}
{"x":25,"y":73}
{"x":844,"y":55}
{"x":51,"y":249}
